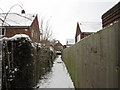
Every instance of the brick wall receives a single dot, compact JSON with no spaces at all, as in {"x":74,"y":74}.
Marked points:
{"x":35,"y":26}
{"x":28,"y":30}
{"x":111,"y":15}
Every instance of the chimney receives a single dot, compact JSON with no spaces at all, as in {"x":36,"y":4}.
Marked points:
{"x":23,"y":12}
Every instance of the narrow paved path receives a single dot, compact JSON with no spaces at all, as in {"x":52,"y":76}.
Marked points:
{"x":58,"y":77}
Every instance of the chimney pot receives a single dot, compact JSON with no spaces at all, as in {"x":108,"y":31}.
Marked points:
{"x":23,"y":12}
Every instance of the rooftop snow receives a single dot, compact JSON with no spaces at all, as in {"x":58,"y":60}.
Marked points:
{"x":70,"y":41}
{"x":90,"y":26}
{"x":14,"y":19}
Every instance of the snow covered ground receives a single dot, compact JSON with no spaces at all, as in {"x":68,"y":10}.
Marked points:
{"x":58,"y":77}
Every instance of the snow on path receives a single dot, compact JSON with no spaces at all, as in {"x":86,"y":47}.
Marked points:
{"x":58,"y":77}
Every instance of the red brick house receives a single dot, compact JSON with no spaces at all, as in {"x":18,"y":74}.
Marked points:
{"x":111,"y":16}
{"x":79,"y":34}
{"x":20,"y":24}
{"x":58,"y":46}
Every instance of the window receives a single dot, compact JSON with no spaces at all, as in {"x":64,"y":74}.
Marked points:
{"x":32,"y":33}
{"x":78,"y":38}
{"x":26,"y":30}
{"x":2,"y":31}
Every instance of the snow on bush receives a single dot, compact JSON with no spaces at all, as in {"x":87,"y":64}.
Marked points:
{"x":19,"y":36}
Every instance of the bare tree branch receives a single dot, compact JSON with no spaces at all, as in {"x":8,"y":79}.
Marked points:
{"x":46,"y":30}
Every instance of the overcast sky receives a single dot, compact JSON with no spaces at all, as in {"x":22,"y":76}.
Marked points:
{"x":63,"y":14}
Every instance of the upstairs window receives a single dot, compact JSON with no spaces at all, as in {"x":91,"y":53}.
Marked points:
{"x":78,"y":38}
{"x":2,"y":31}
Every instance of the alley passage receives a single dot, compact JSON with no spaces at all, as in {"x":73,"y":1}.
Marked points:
{"x":58,"y":77}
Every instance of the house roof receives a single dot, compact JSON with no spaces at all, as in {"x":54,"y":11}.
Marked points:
{"x":58,"y":44}
{"x":14,"y":19}
{"x":90,"y":26}
{"x":70,"y":42}
{"x":78,"y":30}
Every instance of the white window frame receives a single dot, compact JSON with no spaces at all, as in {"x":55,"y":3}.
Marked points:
{"x":78,"y":38}
{"x":1,"y":31}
